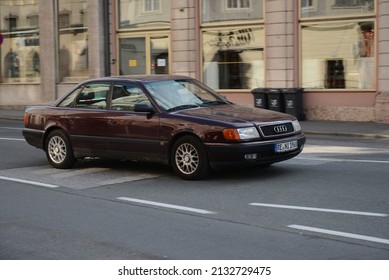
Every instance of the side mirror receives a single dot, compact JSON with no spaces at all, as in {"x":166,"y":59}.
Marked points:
{"x":144,"y":107}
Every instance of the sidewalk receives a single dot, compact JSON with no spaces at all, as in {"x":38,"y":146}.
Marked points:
{"x":334,"y":128}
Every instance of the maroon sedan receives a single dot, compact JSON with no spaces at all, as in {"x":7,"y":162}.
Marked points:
{"x":171,"y":119}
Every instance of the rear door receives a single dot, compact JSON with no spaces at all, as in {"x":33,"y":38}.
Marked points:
{"x":86,"y":121}
{"x":132,"y":135}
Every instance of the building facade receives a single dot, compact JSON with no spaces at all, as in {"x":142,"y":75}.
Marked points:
{"x":336,"y":50}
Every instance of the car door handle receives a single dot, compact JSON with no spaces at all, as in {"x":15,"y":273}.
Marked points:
{"x":112,"y":122}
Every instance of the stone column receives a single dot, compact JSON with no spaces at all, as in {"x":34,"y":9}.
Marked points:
{"x":96,"y":38}
{"x":382,"y":100}
{"x":184,"y":37}
{"x":47,"y":50}
{"x":281,"y":37}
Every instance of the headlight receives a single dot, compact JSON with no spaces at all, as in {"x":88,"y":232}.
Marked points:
{"x":296,"y":126}
{"x":240,"y":133}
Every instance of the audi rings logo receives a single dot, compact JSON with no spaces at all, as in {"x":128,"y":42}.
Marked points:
{"x":280,"y":129}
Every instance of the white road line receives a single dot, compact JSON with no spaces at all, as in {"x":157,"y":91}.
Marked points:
{"x":172,"y":206}
{"x":343,"y":160}
{"x":12,"y":139}
{"x":12,"y":128}
{"x":340,"y":233}
{"x":28,"y":182}
{"x":319,"y":209}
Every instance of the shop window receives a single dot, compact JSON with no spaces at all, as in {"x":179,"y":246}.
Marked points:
{"x":233,"y":58}
{"x":144,"y":55}
{"x":72,"y":41}
{"x":19,"y":54}
{"x":338,"y":55}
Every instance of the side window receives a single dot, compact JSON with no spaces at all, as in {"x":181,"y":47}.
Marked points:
{"x":93,"y":96}
{"x":126,"y":95}
{"x":68,"y":101}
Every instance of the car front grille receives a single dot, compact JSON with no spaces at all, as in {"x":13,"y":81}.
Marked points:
{"x":276,"y":130}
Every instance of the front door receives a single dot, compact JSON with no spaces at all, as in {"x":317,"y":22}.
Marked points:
{"x":133,"y":135}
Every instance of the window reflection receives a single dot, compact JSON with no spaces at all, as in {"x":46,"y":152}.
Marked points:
{"x":160,"y":55}
{"x":338,"y":55}
{"x":132,"y":56}
{"x":72,"y":41}
{"x":328,"y":8}
{"x":231,"y":10}
{"x":19,"y":52}
{"x":233,"y":58}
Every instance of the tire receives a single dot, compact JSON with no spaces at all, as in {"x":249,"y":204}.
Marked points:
{"x":189,"y":159}
{"x":59,"y":152}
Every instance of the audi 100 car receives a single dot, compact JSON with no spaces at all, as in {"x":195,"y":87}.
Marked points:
{"x":175,"y":120}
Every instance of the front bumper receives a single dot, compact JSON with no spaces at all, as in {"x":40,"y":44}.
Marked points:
{"x":227,"y":154}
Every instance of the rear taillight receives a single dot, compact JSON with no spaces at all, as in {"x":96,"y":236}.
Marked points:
{"x":25,"y":119}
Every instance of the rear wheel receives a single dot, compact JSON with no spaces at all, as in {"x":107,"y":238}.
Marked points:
{"x":189,"y":159}
{"x":59,"y":152}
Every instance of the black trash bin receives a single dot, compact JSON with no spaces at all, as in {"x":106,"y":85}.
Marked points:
{"x":260,"y":98}
{"x":293,"y":102}
{"x":275,"y":99}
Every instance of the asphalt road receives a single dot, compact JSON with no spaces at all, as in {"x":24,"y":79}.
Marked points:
{"x":331,"y":202}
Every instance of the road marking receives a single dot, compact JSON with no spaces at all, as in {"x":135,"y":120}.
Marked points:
{"x":172,"y":206}
{"x":340,"y":233}
{"x":12,"y":139}
{"x":343,"y":160}
{"x":28,"y":182}
{"x":134,"y":177}
{"x":319,"y":209}
{"x":12,"y":128}
{"x":78,"y":172}
{"x":78,"y":178}
{"x":322,"y":149}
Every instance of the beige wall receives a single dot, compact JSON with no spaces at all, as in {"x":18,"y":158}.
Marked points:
{"x":382,"y":101}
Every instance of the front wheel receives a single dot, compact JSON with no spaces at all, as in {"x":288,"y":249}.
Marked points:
{"x":189,"y":159}
{"x":59,"y":152}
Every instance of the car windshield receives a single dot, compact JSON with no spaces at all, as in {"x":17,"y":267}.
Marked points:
{"x":183,"y":94}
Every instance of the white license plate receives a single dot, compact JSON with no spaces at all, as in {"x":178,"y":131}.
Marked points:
{"x":285,"y":147}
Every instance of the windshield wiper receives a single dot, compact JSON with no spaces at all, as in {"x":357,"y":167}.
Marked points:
{"x":182,"y":107}
{"x":215,"y":102}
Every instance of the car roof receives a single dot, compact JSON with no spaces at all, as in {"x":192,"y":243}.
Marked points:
{"x":140,"y":78}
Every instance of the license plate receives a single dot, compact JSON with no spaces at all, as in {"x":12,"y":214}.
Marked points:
{"x":285,"y":147}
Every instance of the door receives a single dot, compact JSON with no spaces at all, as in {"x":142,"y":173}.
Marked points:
{"x":132,"y":135}
{"x":86,"y":121}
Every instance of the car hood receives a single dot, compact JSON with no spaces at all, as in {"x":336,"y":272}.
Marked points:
{"x":236,"y":114}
